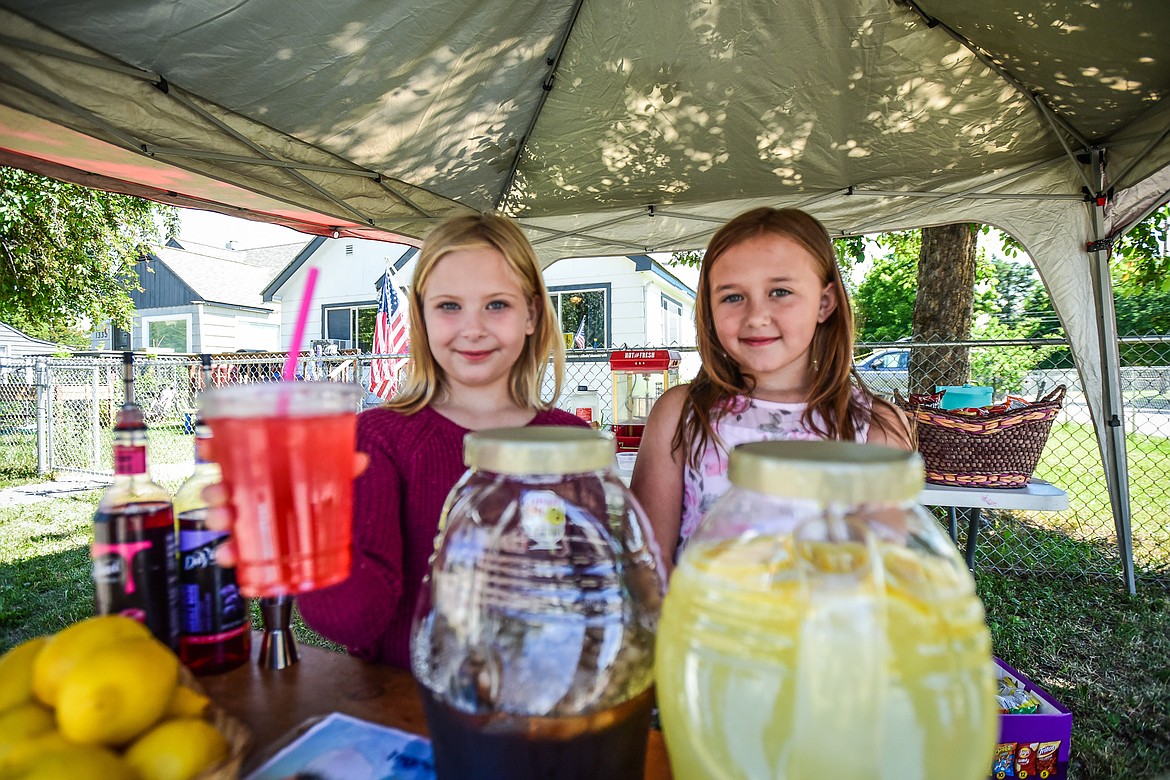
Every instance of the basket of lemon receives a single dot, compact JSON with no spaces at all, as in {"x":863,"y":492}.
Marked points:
{"x":104,"y":699}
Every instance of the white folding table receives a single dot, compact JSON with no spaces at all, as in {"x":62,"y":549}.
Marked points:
{"x":1038,"y":496}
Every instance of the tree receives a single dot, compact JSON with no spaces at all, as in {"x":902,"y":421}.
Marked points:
{"x":943,"y":306}
{"x":1141,"y":258}
{"x":68,"y":253}
{"x":884,"y":301}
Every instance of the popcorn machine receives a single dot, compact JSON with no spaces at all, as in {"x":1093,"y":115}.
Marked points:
{"x":640,"y":376}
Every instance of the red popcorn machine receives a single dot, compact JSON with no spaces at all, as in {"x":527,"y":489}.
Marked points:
{"x":640,"y":376}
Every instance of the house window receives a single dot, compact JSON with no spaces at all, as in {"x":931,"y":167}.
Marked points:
{"x":588,"y":305}
{"x":168,"y":334}
{"x":671,"y":321}
{"x":352,"y":327}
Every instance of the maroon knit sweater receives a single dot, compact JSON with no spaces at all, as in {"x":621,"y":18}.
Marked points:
{"x":415,"y":460}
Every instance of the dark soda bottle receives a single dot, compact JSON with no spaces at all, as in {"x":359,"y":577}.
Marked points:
{"x":133,"y":552}
{"x":215,"y":632}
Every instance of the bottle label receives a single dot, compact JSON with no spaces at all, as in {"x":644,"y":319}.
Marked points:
{"x":585,"y":413}
{"x":210,"y":600}
{"x":133,"y":555}
{"x":542,"y":516}
{"x":129,"y":459}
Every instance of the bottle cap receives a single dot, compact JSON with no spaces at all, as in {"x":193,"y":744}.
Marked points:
{"x":538,"y":450}
{"x":582,"y":388}
{"x":828,"y":471}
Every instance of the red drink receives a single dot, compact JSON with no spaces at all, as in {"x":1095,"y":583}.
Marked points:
{"x":605,"y":745}
{"x":290,"y":474}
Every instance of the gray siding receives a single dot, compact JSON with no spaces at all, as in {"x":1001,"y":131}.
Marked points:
{"x":161,"y":288}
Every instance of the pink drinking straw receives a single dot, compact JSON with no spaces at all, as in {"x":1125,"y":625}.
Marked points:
{"x":289,"y":372}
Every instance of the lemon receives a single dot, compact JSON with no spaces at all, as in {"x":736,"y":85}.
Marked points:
{"x":16,"y":672}
{"x":187,"y":702}
{"x":121,"y":691}
{"x":178,"y":749}
{"x":22,"y":722}
{"x":23,"y":752}
{"x":75,"y":645}
{"x":58,"y":760}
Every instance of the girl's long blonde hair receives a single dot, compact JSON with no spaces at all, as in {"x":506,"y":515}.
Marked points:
{"x":833,"y":409}
{"x":425,"y":377}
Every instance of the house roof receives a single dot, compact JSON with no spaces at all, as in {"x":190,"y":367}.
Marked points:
{"x":234,"y":278}
{"x":648,"y":263}
{"x":307,"y":251}
{"x":17,"y":332}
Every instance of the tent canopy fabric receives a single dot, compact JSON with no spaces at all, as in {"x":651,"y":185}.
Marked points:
{"x":612,"y":126}
{"x":570,"y":114}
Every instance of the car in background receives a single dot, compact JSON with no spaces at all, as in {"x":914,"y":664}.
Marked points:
{"x":886,"y":371}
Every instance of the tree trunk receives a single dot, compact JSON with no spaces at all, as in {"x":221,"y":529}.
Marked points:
{"x":943,"y":306}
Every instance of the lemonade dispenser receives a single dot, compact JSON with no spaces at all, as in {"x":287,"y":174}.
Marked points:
{"x":640,"y":377}
{"x":820,"y":625}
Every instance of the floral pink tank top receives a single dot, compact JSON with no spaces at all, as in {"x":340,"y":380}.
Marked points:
{"x":746,"y":420}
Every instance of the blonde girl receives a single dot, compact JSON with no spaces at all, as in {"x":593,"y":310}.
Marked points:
{"x":482,"y":333}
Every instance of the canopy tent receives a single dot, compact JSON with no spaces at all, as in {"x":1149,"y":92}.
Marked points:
{"x":611,"y":126}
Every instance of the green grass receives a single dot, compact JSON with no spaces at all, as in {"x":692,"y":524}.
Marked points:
{"x":1102,"y":653}
{"x":45,"y":581}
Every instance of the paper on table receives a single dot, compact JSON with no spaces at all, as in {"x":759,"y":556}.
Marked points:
{"x":340,"y":747}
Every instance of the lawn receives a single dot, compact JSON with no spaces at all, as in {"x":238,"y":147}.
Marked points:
{"x":1105,"y":654}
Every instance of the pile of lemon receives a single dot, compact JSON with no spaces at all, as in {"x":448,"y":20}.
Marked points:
{"x":102,"y":699}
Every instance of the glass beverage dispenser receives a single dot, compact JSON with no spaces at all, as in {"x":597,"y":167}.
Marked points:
{"x":640,"y":377}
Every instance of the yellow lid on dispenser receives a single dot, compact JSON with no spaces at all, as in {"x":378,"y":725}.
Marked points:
{"x":538,"y":450}
{"x":828,"y":471}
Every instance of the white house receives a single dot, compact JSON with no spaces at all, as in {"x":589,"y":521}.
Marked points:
{"x":622,"y":301}
{"x":198,"y":298}
{"x":630,"y":301}
{"x":16,"y":344}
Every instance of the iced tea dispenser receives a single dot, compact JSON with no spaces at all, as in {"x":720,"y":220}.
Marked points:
{"x":533,"y":640}
{"x":640,"y":377}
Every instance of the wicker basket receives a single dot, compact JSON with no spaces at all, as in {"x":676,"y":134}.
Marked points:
{"x":236,"y":732}
{"x":1000,"y":450}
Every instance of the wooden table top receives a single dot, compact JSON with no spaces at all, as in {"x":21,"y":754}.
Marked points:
{"x":271,"y":703}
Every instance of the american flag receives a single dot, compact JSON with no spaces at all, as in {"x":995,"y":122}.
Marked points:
{"x":579,"y":339}
{"x":389,"y":339}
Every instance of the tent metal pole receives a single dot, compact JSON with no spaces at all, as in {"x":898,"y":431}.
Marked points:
{"x":983,"y":56}
{"x":1112,"y":439}
{"x":246,"y":141}
{"x":1050,"y":118}
{"x":968,"y":195}
{"x":972,"y":193}
{"x":545,"y":88}
{"x":1140,"y":156}
{"x":200,"y":154}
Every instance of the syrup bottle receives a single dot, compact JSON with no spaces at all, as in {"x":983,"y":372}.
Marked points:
{"x":133,"y":551}
{"x":215,"y":632}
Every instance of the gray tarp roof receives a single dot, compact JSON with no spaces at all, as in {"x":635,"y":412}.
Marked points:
{"x":618,"y":126}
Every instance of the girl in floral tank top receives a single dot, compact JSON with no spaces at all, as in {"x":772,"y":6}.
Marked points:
{"x":775,"y":333}
{"x":756,"y":420}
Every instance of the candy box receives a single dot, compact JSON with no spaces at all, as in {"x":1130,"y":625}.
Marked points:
{"x":1034,"y":745}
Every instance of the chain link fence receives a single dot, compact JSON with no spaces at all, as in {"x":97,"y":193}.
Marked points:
{"x":55,"y":418}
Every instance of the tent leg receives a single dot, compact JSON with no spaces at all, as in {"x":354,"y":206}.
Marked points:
{"x":1112,"y":438}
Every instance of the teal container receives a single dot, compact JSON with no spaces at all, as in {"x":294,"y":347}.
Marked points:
{"x":964,"y":397}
